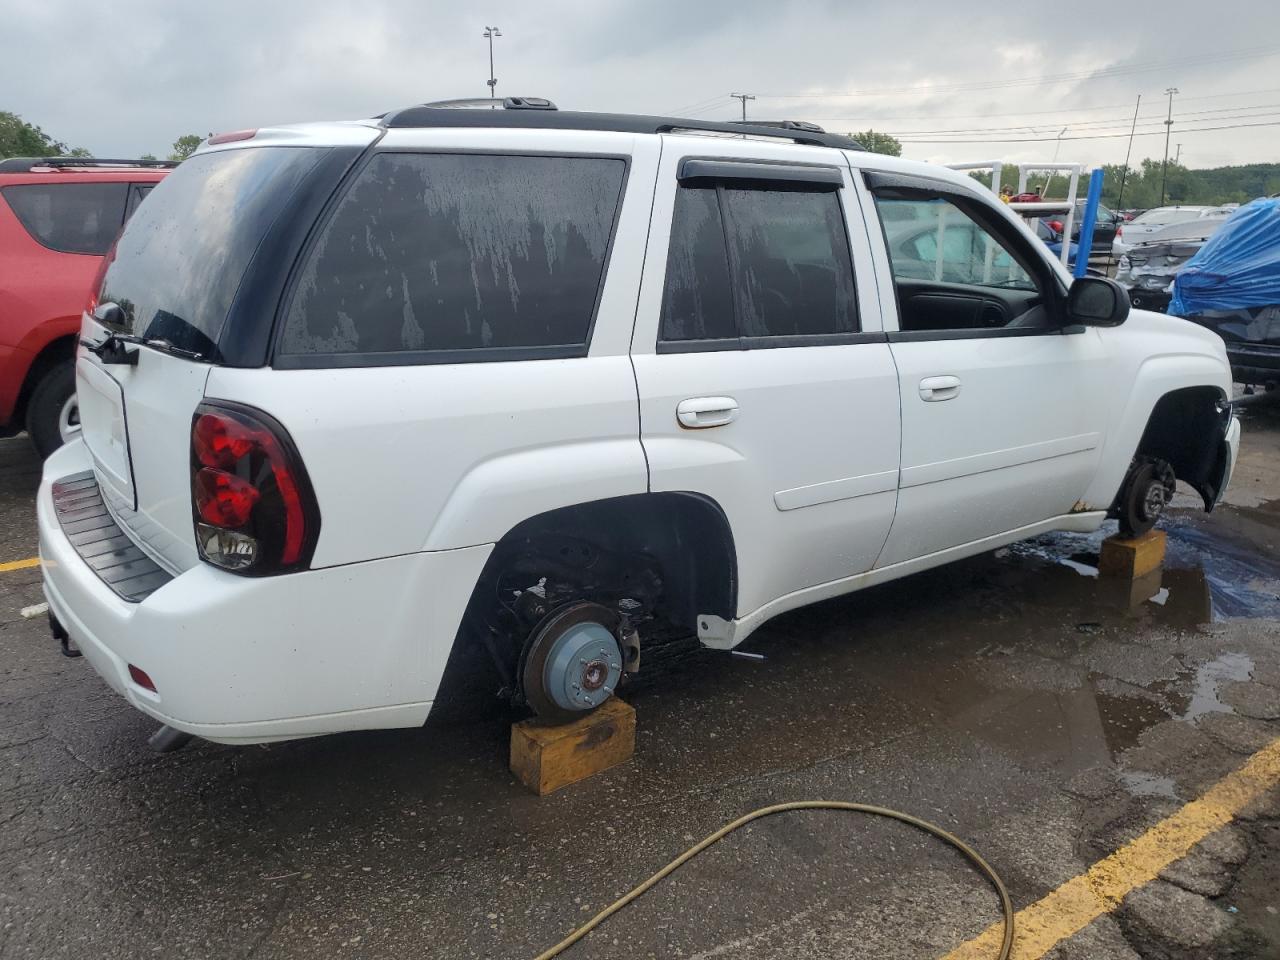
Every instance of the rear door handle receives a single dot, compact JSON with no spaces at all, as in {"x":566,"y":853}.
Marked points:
{"x":939,"y":388}
{"x":699,"y":412}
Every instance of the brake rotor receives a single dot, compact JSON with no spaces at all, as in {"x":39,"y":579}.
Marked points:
{"x":572,"y":662}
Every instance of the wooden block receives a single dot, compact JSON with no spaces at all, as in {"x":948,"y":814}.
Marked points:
{"x":546,"y":757}
{"x":1128,"y":559}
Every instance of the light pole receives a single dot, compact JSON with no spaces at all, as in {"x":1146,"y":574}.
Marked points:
{"x":744,"y":97}
{"x":1168,"y":127}
{"x":490,"y":33}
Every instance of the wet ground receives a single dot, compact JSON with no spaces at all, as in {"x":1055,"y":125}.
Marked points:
{"x":1044,"y":715}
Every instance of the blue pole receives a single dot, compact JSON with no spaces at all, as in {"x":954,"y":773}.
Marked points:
{"x":1086,"y":226}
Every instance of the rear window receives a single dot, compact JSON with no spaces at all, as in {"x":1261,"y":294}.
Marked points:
{"x":70,"y":217}
{"x":448,"y":257}
{"x":179,"y":263}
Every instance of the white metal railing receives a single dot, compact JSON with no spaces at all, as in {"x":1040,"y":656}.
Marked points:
{"x":1032,"y":210}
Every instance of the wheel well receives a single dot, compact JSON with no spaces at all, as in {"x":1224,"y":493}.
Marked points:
{"x":659,"y":558}
{"x":686,"y":535}
{"x":54,"y":352}
{"x":1186,"y":429}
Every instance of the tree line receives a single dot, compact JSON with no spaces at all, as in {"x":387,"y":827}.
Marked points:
{"x":18,"y":138}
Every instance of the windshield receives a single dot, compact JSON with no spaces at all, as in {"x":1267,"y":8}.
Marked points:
{"x":178,"y":264}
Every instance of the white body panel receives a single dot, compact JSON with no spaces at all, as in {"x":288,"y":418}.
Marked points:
{"x":807,"y":469}
{"x":838,"y":466}
{"x":245,"y":659}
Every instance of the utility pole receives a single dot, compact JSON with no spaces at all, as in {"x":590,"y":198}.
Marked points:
{"x":744,"y":97}
{"x":1168,"y":127}
{"x":1177,"y":157}
{"x":490,"y":33}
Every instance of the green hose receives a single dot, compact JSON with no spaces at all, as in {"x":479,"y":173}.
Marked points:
{"x":1005,"y":903}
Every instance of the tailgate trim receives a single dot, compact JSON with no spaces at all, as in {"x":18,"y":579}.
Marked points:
{"x":101,"y":544}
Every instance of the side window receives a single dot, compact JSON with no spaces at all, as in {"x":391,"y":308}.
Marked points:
{"x":955,"y":268}
{"x":941,"y":242}
{"x":697,"y":302}
{"x":449,"y":252}
{"x":791,"y":260}
{"x":757,"y":265}
{"x":70,"y":217}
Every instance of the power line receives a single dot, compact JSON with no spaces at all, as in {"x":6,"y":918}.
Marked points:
{"x":1226,"y":113}
{"x":698,"y":106}
{"x":1096,"y":136}
{"x":712,"y":103}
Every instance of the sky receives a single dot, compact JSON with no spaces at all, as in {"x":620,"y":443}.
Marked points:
{"x":126,"y":78}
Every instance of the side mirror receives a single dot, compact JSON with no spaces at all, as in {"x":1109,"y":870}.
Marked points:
{"x":1097,"y":302}
{"x":110,"y":314}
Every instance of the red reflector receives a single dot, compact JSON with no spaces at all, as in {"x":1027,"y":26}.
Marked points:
{"x":141,"y":679}
{"x":223,"y":499}
{"x":1056,"y":225}
{"x":233,"y":136}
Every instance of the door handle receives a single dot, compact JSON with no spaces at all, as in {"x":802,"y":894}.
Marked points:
{"x":699,"y":412}
{"x":939,"y":388}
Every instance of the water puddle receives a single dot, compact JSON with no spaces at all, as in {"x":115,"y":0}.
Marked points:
{"x":1209,"y":676}
{"x":1140,"y":784}
{"x":1208,"y":574}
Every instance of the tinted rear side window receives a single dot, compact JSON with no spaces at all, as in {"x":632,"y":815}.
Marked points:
{"x":757,"y":266}
{"x":697,"y":303}
{"x":791,"y":258}
{"x":444,"y":255}
{"x":70,"y":217}
{"x":180,"y":260}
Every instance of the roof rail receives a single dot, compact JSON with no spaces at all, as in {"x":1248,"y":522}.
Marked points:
{"x":537,"y":113}
{"x":27,"y":164}
{"x":506,"y":103}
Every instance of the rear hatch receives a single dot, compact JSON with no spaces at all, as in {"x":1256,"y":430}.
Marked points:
{"x":176,"y":273}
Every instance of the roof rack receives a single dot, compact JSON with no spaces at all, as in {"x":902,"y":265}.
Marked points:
{"x":27,"y":164}
{"x":542,"y":114}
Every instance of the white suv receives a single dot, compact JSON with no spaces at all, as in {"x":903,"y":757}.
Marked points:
{"x":548,"y":387}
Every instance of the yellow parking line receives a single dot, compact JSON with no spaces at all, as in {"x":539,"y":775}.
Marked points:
{"x":1082,"y":899}
{"x":19,"y":564}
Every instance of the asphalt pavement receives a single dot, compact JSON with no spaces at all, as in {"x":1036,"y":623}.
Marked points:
{"x":1044,"y":715}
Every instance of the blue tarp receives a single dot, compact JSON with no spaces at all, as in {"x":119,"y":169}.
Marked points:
{"x":1239,"y":266}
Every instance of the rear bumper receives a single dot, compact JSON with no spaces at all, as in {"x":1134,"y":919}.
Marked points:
{"x":248,"y":660}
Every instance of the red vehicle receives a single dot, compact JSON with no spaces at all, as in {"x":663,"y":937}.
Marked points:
{"x":58,"y":218}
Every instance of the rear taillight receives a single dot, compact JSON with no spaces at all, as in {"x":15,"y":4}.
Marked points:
{"x":251,"y":500}
{"x":1055,"y":226}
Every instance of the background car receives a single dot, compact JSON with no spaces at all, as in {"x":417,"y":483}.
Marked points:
{"x":1053,"y":240}
{"x":58,"y":218}
{"x":1104,"y":228}
{"x":1141,"y":227}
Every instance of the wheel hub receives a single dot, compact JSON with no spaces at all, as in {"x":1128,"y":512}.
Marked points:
{"x":583,"y":668}
{"x":1153,"y":501}
{"x":573,"y":662}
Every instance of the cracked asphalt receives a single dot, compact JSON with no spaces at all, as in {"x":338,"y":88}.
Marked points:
{"x":1045,"y":716}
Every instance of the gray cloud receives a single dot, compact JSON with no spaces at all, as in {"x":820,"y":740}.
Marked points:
{"x":129,"y":77}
